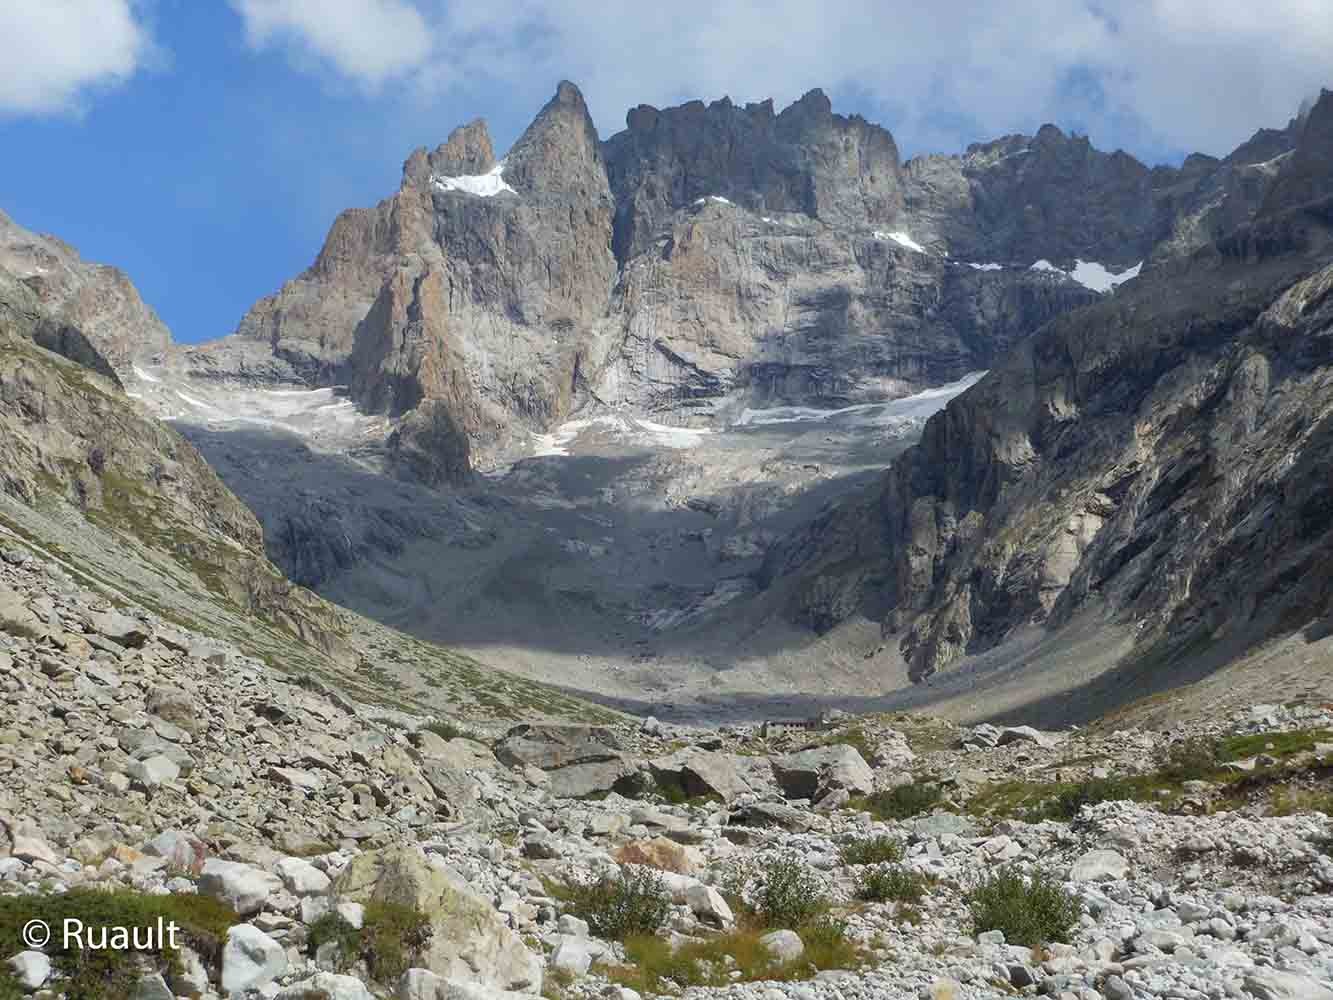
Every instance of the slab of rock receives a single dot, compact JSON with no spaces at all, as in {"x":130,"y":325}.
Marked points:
{"x":327,"y":985}
{"x":154,"y":771}
{"x":15,"y":616}
{"x":708,"y":905}
{"x":120,"y":629}
{"x":811,"y":773}
{"x":555,"y":746}
{"x":579,"y":781}
{"x":469,"y":939}
{"x":302,"y":878}
{"x":1099,"y":866}
{"x":250,"y":959}
{"x":182,"y":851}
{"x":1026,"y":734}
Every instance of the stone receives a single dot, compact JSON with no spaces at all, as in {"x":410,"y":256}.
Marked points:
{"x":1098,"y":866}
{"x":1273,"y":984}
{"x":176,"y":707}
{"x":250,"y":959}
{"x":702,"y":773}
{"x":31,"y":968}
{"x":181,"y":851}
{"x":708,"y":905}
{"x":244,"y":888}
{"x":784,"y":945}
{"x":572,"y":955}
{"x":1026,"y":734}
{"x":302,"y":878}
{"x":468,"y":940}
{"x":152,"y":987}
{"x":29,"y":846}
{"x":121,"y":629}
{"x":661,"y":853}
{"x":295,"y":778}
{"x":154,"y":771}
{"x":328,"y":986}
{"x":809,"y":773}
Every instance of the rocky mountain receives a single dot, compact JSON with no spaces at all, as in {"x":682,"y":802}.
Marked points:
{"x":77,"y":298}
{"x":609,"y":408}
{"x":91,"y":482}
{"x":1158,"y":461}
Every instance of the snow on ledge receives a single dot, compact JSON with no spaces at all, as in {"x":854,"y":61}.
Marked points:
{"x":987,"y":267}
{"x":902,"y":239}
{"x":1091,"y":274}
{"x":486,"y":185}
{"x":712,"y":197}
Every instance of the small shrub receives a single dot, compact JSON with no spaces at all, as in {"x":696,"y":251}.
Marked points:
{"x":1189,"y":760}
{"x":1067,"y":804}
{"x":790,"y":895}
{"x":902,"y":802}
{"x":908,"y":915}
{"x":633,"y":902}
{"x":872,"y":851}
{"x":1030,"y":911}
{"x":390,"y":939}
{"x":891,"y":882}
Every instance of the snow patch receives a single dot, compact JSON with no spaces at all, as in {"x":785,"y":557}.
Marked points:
{"x":486,"y":185}
{"x":633,"y":430}
{"x":902,"y":239}
{"x":712,"y":197}
{"x":910,"y":408}
{"x":1091,"y":274}
{"x":140,"y":373}
{"x":986,"y":267}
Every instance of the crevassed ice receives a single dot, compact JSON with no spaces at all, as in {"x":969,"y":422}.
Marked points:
{"x":485,"y":185}
{"x":901,"y":238}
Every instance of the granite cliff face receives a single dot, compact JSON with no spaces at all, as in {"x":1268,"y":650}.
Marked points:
{"x":1161,"y":459}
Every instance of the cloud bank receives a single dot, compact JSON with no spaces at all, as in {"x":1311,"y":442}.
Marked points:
{"x":1146,"y":74}
{"x":57,"y":52}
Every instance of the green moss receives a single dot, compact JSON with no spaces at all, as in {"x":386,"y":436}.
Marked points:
{"x":1279,"y":745}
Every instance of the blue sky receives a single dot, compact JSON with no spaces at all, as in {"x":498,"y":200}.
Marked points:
{"x":205,"y":146}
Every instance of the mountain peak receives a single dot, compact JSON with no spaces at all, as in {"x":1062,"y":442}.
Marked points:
{"x":560,"y":150}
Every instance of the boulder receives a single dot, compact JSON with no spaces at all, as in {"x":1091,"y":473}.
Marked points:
{"x":176,"y":707}
{"x":302,"y":878}
{"x":242,"y":887}
{"x":154,"y":771}
{"x":16,"y":618}
{"x":31,"y":968}
{"x":661,"y":853}
{"x":579,"y":781}
{"x":708,"y":905}
{"x":1026,"y":734}
{"x":469,"y":941}
{"x":783,"y":945}
{"x":250,"y":959}
{"x":555,"y":746}
{"x":809,"y":774}
{"x":703,"y":773}
{"x":182,"y":851}
{"x":1099,"y":866}
{"x":120,"y":629}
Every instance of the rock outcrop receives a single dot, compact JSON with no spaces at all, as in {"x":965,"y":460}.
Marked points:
{"x":80,"y":300}
{"x":1161,"y":457}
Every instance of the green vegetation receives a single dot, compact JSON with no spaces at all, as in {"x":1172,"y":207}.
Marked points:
{"x":896,"y":883}
{"x":902,"y":802}
{"x":1030,"y":911}
{"x":1279,"y":745}
{"x":632,"y":902}
{"x":790,"y":895}
{"x":855,"y":737}
{"x":390,"y":938}
{"x":872,"y":851}
{"x":113,"y":973}
{"x":446,"y":730}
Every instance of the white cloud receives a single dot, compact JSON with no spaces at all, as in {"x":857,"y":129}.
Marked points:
{"x":1147,"y":74}
{"x":56,"y":51}
{"x":369,"y":41}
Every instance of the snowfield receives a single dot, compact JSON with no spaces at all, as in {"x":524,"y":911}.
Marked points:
{"x":486,"y":185}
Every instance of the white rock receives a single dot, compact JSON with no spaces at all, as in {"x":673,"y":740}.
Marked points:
{"x":31,"y":968}
{"x":242,"y":887}
{"x":708,"y":904}
{"x":153,"y":772}
{"x":250,"y":959}
{"x":572,"y":955}
{"x":302,"y":878}
{"x":784,"y":945}
{"x":1270,"y":984}
{"x":332,"y":986}
{"x":1096,"y":866}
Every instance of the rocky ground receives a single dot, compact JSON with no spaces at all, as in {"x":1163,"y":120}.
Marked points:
{"x":141,"y":757}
